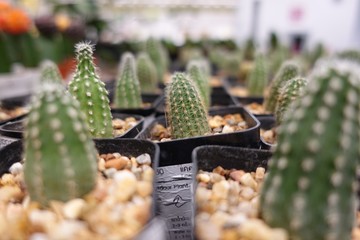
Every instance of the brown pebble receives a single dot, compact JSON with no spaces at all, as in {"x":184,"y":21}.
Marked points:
{"x":236,"y":175}
{"x":109,"y":156}
{"x":219,"y":170}
{"x":117,"y":163}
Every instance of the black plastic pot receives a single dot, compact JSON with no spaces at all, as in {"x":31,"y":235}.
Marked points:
{"x":219,"y":99}
{"x":266,"y":123}
{"x":12,"y":119}
{"x":13,"y":153}
{"x":153,"y":99}
{"x":179,"y":151}
{"x":14,"y":129}
{"x":20,"y":101}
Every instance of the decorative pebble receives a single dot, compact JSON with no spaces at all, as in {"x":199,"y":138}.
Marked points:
{"x":236,"y":175}
{"x":126,"y":185}
{"x":117,"y":163}
{"x":144,"y":159}
{"x":220,"y":190}
{"x":16,"y":168}
{"x":227,"y":129}
{"x":73,"y":208}
{"x":248,"y":180}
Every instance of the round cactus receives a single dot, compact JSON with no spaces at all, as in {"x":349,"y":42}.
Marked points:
{"x":50,"y":73}
{"x":287,"y":71}
{"x":195,"y":70}
{"x":60,"y":157}
{"x":90,"y":91}
{"x":310,"y":189}
{"x":187,"y":114}
{"x":289,"y":93}
{"x":127,"y":91}
{"x":146,"y":72}
{"x":257,"y":80}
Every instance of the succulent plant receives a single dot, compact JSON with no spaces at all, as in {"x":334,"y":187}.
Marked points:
{"x":289,"y":93}
{"x":195,"y":70}
{"x":288,"y":70}
{"x":90,"y":91}
{"x":158,"y":55}
{"x":187,"y":116}
{"x":60,"y":157}
{"x":146,"y":72}
{"x":310,"y":189}
{"x":50,"y":72}
{"x":127,"y":90}
{"x":231,"y":64}
{"x":257,"y":80}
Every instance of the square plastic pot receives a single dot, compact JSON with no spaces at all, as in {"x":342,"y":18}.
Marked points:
{"x":266,"y":123}
{"x":15,"y":129}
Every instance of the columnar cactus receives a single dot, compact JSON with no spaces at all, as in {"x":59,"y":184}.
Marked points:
{"x":311,"y":186}
{"x":60,"y":157}
{"x":197,"y":74}
{"x":289,"y":93}
{"x":187,"y":115}
{"x":127,"y":90}
{"x":257,"y":80}
{"x":146,"y":72}
{"x":50,"y":73}
{"x":287,"y":71}
{"x":90,"y":91}
{"x":158,"y":55}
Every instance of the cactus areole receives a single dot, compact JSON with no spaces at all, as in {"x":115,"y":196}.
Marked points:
{"x":90,"y":91}
{"x":187,"y":115}
{"x":60,"y":157}
{"x":311,"y":186}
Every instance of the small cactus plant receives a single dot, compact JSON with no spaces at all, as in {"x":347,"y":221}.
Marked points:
{"x":146,"y":72}
{"x":187,"y":115}
{"x":127,"y":90}
{"x":159,"y":57}
{"x":310,"y":189}
{"x":195,"y":70}
{"x":60,"y":157}
{"x":90,"y":91}
{"x":50,"y":72}
{"x":288,"y":70}
{"x":257,"y":80}
{"x":289,"y":93}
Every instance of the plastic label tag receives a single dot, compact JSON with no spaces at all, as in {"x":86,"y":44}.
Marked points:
{"x":175,"y":191}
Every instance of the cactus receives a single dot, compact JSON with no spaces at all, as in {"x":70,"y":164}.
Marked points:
{"x":288,"y":94}
{"x":50,"y":72}
{"x":127,"y":91}
{"x":187,"y":114}
{"x":60,"y":158}
{"x":231,"y":64}
{"x":159,"y":57}
{"x":310,"y":189}
{"x":195,"y":70}
{"x":90,"y":91}
{"x":146,"y":72}
{"x":257,"y":81}
{"x":288,"y":70}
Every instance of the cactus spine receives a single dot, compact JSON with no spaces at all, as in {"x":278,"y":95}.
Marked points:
{"x":310,"y":189}
{"x":257,"y":81}
{"x":90,"y":91}
{"x":158,"y":55}
{"x":289,"y":93}
{"x":287,"y":71}
{"x":146,"y":72}
{"x":127,"y":92}
{"x":195,"y":70}
{"x":50,"y":73}
{"x":187,"y":114}
{"x":60,"y":156}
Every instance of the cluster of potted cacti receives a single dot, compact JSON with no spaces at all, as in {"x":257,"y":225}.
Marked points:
{"x":77,"y":172}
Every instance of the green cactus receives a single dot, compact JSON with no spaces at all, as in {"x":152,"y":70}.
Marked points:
{"x":310,"y":189}
{"x":159,"y":57}
{"x":187,"y":114}
{"x":257,"y":80}
{"x":195,"y":70}
{"x":90,"y":91}
{"x":60,"y":157}
{"x":289,"y":69}
{"x":275,"y":59}
{"x":288,"y":94}
{"x":127,"y":91}
{"x":146,"y":72}
{"x":50,"y":72}
{"x":231,"y":64}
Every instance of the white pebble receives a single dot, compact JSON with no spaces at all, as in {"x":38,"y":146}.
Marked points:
{"x":221,"y":189}
{"x":16,"y":168}
{"x":110,"y":172}
{"x":73,"y":208}
{"x":227,"y":129}
{"x":38,"y":236}
{"x":144,"y":159}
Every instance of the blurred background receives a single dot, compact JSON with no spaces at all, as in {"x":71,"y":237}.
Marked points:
{"x":226,"y":32}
